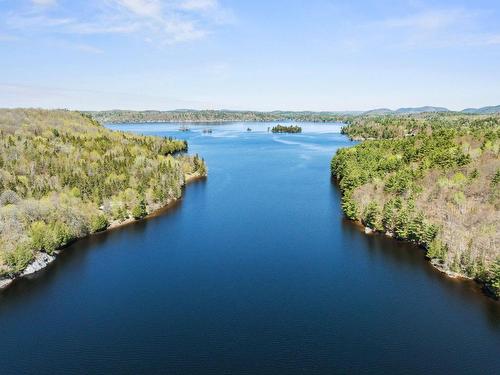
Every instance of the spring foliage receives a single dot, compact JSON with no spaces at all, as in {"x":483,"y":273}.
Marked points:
{"x":63,"y":176}
{"x":429,"y":179}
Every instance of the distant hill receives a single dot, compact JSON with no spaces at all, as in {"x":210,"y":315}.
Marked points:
{"x":408,"y":110}
{"x":379,"y":111}
{"x":483,"y":110}
{"x":224,"y":115}
{"x":422,"y":109}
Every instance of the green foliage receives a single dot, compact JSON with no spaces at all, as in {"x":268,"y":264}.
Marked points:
{"x":139,"y":211}
{"x":18,"y":258}
{"x":49,"y":237}
{"x":494,"y":277}
{"x":373,"y":216}
{"x":408,"y":164}
{"x":286,"y":129}
{"x":349,"y":207}
{"x":63,"y":176}
{"x":397,"y":127}
{"x":436,"y":250}
{"x":458,"y":198}
{"x":496,"y":178}
{"x":98,"y":223}
{"x":199,"y":165}
{"x":213,"y":116}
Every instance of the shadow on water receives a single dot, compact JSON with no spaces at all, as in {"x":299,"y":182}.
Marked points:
{"x":404,"y":254}
{"x":76,"y":254}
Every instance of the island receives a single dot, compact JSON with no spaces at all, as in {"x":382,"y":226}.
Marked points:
{"x":63,"y":176}
{"x":286,"y":129}
{"x":431,"y":179}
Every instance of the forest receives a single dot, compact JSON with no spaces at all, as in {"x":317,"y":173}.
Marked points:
{"x":120,"y":116}
{"x":286,"y":129}
{"x":190,"y":115}
{"x":432,"y":179}
{"x":64,"y":176}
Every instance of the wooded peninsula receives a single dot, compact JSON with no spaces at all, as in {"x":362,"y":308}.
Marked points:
{"x":64,"y":176}
{"x":430,"y":179}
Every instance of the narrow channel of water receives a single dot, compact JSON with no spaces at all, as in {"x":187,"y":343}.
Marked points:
{"x":255,"y":270}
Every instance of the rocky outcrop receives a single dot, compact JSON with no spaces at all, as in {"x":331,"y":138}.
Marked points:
{"x":41,"y":261}
{"x":5,"y":282}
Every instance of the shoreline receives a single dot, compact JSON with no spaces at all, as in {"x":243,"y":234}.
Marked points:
{"x":43,"y":259}
{"x":432,"y":262}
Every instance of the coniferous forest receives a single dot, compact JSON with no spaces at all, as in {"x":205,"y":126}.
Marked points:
{"x":430,"y":179}
{"x":64,"y":176}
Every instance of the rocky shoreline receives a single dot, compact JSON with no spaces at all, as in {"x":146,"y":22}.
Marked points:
{"x":435,"y":263}
{"x":43,"y":259}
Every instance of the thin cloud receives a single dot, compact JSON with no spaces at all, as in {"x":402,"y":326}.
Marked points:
{"x":160,"y":22}
{"x":199,"y":4}
{"x":426,"y":28}
{"x":44,"y":3}
{"x":146,"y":8}
{"x":429,"y":20}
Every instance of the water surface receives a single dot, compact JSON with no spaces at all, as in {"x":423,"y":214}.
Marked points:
{"x":255,"y":270}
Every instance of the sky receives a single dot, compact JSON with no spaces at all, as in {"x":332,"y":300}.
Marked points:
{"x":319,"y":55}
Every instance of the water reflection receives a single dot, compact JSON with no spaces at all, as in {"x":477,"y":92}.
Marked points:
{"x":411,"y":257}
{"x":255,"y":270}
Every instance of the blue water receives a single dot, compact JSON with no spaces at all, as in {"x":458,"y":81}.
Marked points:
{"x":255,"y":270}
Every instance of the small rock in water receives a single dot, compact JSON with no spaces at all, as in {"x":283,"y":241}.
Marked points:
{"x":368,"y":230}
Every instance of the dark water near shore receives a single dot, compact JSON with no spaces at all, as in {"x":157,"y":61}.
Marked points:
{"x":255,"y":270}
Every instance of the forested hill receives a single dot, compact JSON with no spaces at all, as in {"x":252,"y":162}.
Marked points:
{"x":118,"y":116}
{"x":63,"y":176}
{"x":433,"y":180}
{"x":190,"y":115}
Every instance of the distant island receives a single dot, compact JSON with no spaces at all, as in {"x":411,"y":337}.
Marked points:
{"x":286,"y":129}
{"x":64,"y":176}
{"x":433,"y":180}
{"x":191,"y":115}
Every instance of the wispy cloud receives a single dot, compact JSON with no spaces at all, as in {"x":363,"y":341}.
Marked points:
{"x":425,"y":27}
{"x":428,"y":20}
{"x":162,"y":22}
{"x":199,"y":4}
{"x":44,"y":3}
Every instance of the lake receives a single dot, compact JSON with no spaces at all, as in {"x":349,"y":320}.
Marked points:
{"x":255,"y":270}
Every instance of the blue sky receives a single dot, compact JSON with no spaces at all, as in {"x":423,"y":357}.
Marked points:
{"x":259,"y":55}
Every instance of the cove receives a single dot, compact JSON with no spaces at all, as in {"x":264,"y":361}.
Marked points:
{"x":254,"y":270}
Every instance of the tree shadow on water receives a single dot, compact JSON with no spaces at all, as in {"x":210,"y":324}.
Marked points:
{"x":74,"y":256}
{"x":411,"y":258}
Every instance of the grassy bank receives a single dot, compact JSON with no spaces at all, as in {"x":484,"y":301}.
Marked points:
{"x":430,"y":179}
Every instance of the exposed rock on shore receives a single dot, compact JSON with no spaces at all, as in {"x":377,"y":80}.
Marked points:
{"x":41,"y":261}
